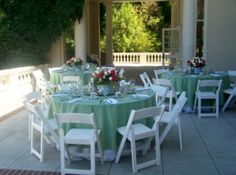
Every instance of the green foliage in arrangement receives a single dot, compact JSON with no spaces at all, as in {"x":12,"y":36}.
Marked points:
{"x":28,"y":28}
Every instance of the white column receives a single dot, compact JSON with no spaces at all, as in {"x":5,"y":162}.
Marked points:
{"x":109,"y":43}
{"x":188,"y":32}
{"x":80,"y":37}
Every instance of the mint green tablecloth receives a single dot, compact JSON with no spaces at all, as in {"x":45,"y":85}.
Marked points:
{"x":108,"y":116}
{"x":56,"y":76}
{"x":188,"y":83}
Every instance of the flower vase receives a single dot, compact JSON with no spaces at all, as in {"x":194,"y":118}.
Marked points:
{"x":107,"y":89}
{"x":197,"y":70}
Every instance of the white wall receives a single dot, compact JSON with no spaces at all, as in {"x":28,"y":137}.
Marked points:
{"x":221,"y":35}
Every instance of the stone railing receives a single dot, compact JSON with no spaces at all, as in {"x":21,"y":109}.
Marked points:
{"x":140,"y":59}
{"x":14,"y":83}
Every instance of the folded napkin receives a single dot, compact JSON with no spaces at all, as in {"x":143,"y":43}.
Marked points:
{"x":74,"y":100}
{"x":141,"y":88}
{"x":215,"y":75}
{"x":219,"y":72}
{"x":111,"y":101}
{"x":59,"y":95}
{"x":140,"y":95}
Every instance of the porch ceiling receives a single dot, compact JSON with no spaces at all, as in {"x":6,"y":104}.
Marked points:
{"x":118,"y":1}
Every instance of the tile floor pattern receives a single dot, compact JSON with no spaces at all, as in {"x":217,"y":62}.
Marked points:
{"x":209,"y":148}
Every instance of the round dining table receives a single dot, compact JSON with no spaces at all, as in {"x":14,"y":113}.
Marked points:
{"x":188,"y":83}
{"x":109,"y":116}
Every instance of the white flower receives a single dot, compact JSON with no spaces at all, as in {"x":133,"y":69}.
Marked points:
{"x":110,"y":78}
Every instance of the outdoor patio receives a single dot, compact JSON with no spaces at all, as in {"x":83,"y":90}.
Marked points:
{"x":209,"y":147}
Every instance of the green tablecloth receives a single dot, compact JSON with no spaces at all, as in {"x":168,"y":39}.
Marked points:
{"x":188,"y":83}
{"x":56,"y":76}
{"x":108,"y":116}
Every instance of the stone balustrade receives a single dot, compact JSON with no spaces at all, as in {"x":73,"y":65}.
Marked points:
{"x":140,"y":59}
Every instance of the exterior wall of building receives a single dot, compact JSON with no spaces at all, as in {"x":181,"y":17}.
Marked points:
{"x":221,"y":35}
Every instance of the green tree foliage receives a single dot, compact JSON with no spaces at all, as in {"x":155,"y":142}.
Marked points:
{"x":137,"y":26}
{"x":28,"y":28}
{"x":156,"y":16}
{"x":129,"y":32}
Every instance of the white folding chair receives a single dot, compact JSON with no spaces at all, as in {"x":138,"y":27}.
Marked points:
{"x":170,"y":119}
{"x":232,"y":75}
{"x":79,"y":136}
{"x":158,"y":72}
{"x":145,"y":79}
{"x":232,"y":93}
{"x":161,"y":93}
{"x":67,"y":80}
{"x":137,"y":131}
{"x":121,"y":72}
{"x":46,"y":128}
{"x":42,"y":83}
{"x":203,"y":94}
{"x":171,"y":92}
{"x":36,"y":98}
{"x":173,"y":117}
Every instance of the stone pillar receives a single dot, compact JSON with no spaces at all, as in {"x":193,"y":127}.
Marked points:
{"x":175,"y":13}
{"x":188,"y":31}
{"x":80,"y":36}
{"x":93,"y":28}
{"x":56,"y":56}
{"x":109,"y":43}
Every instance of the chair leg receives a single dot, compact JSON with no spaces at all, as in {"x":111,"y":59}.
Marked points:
{"x":31,"y":138}
{"x":170,"y":103}
{"x":134,"y":157}
{"x":122,"y":144}
{"x":199,"y":107}
{"x":41,"y":146}
{"x":158,"y":145}
{"x":29,"y":129}
{"x":62,"y":156}
{"x":195,"y":103}
{"x":227,"y":103}
{"x":92,"y":156}
{"x":180,"y":135}
{"x":217,"y":107}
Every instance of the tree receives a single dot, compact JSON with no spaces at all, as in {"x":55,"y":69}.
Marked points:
{"x":129,"y":32}
{"x":156,"y":16}
{"x":28,"y":28}
{"x":137,"y":26}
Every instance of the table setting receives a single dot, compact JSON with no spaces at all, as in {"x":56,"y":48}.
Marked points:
{"x":187,"y":79}
{"x":73,"y":67}
{"x":111,"y":108}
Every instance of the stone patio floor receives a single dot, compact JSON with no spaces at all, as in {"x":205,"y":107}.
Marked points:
{"x":209,"y":148}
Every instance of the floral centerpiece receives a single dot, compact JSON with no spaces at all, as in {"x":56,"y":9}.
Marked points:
{"x":74,"y":61}
{"x":197,"y":64}
{"x":106,"y":80}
